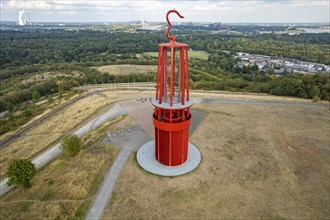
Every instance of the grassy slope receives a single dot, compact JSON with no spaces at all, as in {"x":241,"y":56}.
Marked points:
{"x":56,"y":127}
{"x":66,"y":187}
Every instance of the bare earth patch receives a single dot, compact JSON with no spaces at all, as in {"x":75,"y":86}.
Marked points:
{"x":49,"y":75}
{"x":126,"y":69}
{"x":258,"y":162}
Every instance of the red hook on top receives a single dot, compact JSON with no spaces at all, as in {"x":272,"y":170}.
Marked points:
{"x":170,"y":25}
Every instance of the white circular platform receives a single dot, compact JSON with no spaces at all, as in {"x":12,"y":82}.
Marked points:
{"x":146,"y":159}
{"x":176,"y":105}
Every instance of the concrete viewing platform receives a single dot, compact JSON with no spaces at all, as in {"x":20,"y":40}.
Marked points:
{"x":146,"y":159}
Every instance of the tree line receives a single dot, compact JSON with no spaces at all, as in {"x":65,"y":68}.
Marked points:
{"x":26,"y":48}
{"x":70,"y":51}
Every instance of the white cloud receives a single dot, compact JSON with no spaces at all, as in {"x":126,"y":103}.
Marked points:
{"x":13,"y":4}
{"x":217,"y":10}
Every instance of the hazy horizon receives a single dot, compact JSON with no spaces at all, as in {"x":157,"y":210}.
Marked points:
{"x":233,"y":11}
{"x":195,"y":22}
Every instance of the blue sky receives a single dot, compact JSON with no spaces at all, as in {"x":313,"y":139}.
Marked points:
{"x":155,"y":10}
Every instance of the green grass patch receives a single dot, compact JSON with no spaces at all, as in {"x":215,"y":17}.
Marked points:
{"x":47,"y":196}
{"x":23,"y":206}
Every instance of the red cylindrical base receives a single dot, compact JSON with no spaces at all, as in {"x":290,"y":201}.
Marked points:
{"x":171,"y":141}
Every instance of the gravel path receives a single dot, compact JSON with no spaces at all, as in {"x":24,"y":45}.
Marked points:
{"x":129,"y":143}
{"x":108,"y":184}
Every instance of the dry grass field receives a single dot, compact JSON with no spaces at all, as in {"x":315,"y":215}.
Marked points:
{"x":250,"y":96}
{"x":258,"y":162}
{"x":50,"y":131}
{"x":58,"y":101}
{"x":126,"y":69}
{"x":65,"y":188}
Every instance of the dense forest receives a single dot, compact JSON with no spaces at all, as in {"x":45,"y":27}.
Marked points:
{"x":305,"y":47}
{"x":26,"y":54}
{"x":26,"y":48}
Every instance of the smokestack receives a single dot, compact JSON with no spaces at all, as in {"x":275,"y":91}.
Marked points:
{"x":21,"y":21}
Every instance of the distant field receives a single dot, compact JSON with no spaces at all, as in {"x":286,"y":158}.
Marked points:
{"x":192,"y":54}
{"x":126,"y":69}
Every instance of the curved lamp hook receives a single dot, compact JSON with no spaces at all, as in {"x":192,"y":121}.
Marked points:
{"x":170,"y":25}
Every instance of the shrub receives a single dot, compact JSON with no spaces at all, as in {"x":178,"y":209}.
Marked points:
{"x":36,"y":95}
{"x":50,"y":99}
{"x":20,"y":172}
{"x":71,"y":145}
{"x":316,"y":99}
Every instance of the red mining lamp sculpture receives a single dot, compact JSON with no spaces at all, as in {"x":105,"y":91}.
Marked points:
{"x":171,"y":154}
{"x":172,"y":116}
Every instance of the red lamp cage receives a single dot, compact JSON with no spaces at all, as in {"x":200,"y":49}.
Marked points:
{"x":172,"y":116}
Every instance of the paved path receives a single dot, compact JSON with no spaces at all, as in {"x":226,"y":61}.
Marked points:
{"x":46,"y":156}
{"x":141,"y":112}
{"x":132,"y":141}
{"x":108,"y":184}
{"x":123,"y":138}
{"x":129,"y":143}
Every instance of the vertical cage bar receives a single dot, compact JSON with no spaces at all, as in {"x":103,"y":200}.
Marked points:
{"x":182,"y":146}
{"x":158,"y":154}
{"x":161,"y":76}
{"x":187,"y":74}
{"x":179,"y":76}
{"x":172,"y":74}
{"x":170,"y":150}
{"x":165,"y":74}
{"x":182,"y":73}
{"x":158,"y":74}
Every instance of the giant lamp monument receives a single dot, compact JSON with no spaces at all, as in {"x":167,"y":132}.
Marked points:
{"x":171,"y":154}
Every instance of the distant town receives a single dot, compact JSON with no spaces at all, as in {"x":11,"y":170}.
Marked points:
{"x":280,"y":65}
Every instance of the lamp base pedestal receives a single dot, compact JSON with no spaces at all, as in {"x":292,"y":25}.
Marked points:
{"x":146,"y":159}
